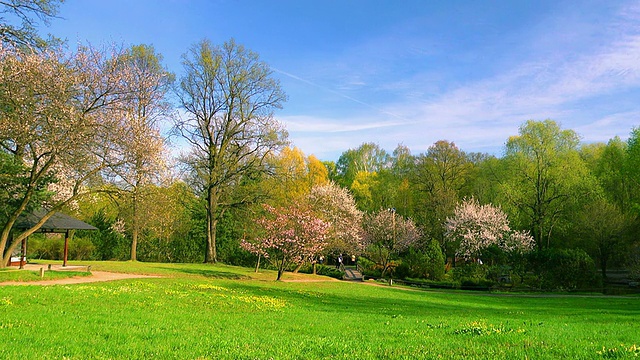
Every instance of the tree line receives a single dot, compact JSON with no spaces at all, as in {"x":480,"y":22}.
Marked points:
{"x":80,"y":133}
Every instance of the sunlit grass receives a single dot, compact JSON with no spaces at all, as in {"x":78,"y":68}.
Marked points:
{"x":28,"y":275}
{"x":222,"y":312}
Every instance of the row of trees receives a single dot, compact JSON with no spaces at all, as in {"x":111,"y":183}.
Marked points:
{"x":79,"y":132}
{"x":563,"y":193}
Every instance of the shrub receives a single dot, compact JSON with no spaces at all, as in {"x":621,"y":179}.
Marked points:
{"x":324,"y":270}
{"x":470,"y":271}
{"x":427,"y":263}
{"x":369,"y":268}
{"x":45,"y":246}
{"x":81,"y":248}
{"x":564,"y":269}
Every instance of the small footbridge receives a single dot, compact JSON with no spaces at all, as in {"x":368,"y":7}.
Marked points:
{"x":352,"y":273}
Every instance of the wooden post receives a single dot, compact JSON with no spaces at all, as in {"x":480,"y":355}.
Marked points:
{"x":23,"y":255}
{"x":66,"y":248}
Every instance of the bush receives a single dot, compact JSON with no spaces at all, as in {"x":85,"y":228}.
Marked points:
{"x":324,"y":270}
{"x":81,"y":249}
{"x":442,"y":284}
{"x":474,"y":284}
{"x":470,"y":271}
{"x":369,"y":268}
{"x":427,"y":264}
{"x":564,"y":269}
{"x":45,"y":246}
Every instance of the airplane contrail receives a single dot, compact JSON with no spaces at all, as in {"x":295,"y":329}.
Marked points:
{"x":341,"y":95}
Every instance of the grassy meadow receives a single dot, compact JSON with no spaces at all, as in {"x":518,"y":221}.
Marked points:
{"x":200,"y":311}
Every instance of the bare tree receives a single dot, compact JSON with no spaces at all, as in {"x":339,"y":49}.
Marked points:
{"x":19,"y":19}
{"x":228,"y":96}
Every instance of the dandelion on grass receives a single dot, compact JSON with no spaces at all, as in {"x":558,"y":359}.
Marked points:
{"x":478,"y":328}
{"x":5,"y":301}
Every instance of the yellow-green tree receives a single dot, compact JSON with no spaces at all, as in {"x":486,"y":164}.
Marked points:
{"x":546,"y":177}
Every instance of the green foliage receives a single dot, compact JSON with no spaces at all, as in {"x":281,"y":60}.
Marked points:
{"x":50,"y":246}
{"x":323,"y":270}
{"x":109,"y":244}
{"x":229,"y":233}
{"x":369,"y":268}
{"x":564,"y":269}
{"x":547,"y":179}
{"x":427,"y":263}
{"x":81,"y":248}
{"x":469,"y":272}
{"x":14,"y":180}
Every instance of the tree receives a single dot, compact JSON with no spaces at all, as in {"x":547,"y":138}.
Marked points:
{"x":607,"y":162}
{"x":632,"y":166}
{"x":27,"y":12}
{"x":386,"y":234}
{"x":368,"y":158}
{"x":547,"y":177}
{"x":337,"y":207}
{"x":293,"y":175}
{"x":228,"y":96}
{"x":402,"y":168}
{"x":364,"y":187}
{"x":603,"y":229}
{"x":58,"y":127}
{"x":474,"y":228}
{"x":440,"y":177}
{"x":317,"y":173}
{"x":292,"y":235}
{"x":426,"y":262}
{"x":141,"y":154}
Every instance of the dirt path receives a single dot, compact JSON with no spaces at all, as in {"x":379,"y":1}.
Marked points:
{"x":96,"y":276}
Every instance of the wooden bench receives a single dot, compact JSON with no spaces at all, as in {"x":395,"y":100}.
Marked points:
{"x":17,"y":261}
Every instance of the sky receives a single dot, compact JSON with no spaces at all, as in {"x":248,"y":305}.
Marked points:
{"x":408,"y":72}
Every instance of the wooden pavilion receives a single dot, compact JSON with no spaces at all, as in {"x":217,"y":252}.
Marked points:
{"x":58,"y":223}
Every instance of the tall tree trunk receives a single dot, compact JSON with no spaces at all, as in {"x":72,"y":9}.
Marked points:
{"x":134,"y":230}
{"x":210,"y":254}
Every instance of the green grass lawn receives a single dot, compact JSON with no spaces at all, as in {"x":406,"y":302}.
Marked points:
{"x":12,"y":274}
{"x":224,"y":312}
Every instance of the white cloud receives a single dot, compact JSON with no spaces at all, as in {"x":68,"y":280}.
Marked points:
{"x":587,"y":79}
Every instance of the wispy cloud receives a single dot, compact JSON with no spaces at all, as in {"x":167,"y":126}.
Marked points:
{"x":589,"y":82}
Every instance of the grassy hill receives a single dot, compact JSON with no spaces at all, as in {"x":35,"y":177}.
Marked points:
{"x":221,"y":312}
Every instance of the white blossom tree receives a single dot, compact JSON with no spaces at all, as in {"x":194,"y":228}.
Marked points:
{"x":337,"y":206}
{"x":141,"y":152}
{"x":386,"y":234}
{"x":475,"y":227}
{"x":56,"y":126}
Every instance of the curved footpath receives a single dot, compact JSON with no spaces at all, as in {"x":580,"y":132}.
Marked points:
{"x":96,"y":276}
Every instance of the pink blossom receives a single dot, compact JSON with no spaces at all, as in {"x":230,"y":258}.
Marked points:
{"x":292,"y":235}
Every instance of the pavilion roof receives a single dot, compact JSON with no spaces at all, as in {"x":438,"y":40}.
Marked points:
{"x":58,"y":222}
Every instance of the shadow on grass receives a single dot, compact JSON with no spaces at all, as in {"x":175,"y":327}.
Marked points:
{"x":213,"y":274}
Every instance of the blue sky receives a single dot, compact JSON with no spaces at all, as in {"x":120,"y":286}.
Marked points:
{"x":410,"y":71}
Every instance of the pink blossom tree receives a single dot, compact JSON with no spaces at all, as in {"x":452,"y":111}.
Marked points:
{"x":475,"y":227}
{"x":386,"y":234}
{"x":291,"y":236}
